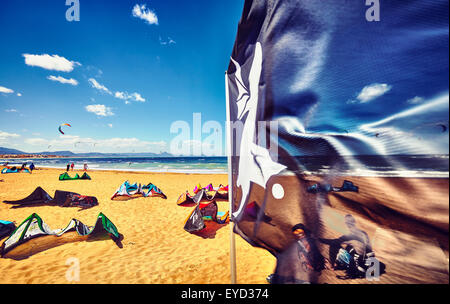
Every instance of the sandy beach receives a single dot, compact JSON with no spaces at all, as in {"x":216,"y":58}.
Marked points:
{"x":156,"y":248}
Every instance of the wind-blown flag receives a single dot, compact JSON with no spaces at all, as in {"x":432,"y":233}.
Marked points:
{"x":339,"y":139}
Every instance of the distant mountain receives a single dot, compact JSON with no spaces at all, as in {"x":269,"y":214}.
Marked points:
{"x":93,"y":154}
{"x":57,"y":153}
{"x":10,"y":151}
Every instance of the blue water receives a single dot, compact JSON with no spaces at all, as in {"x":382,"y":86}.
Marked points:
{"x":399,"y":165}
{"x":207,"y":165}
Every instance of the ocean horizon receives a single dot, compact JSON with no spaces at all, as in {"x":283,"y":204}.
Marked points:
{"x":432,"y":166}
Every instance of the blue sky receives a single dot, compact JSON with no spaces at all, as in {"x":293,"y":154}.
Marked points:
{"x":128,"y":70}
{"x":119,"y":80}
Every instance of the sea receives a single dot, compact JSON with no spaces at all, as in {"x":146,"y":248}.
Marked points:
{"x":433,"y":166}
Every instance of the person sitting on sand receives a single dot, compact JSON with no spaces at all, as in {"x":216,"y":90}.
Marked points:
{"x":351,"y":251}
{"x":23,"y":166}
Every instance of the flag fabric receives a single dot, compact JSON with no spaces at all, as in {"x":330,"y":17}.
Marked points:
{"x":350,"y":99}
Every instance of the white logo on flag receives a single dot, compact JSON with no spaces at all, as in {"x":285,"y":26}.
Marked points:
{"x":255,"y":163}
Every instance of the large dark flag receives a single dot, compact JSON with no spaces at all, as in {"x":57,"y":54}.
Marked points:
{"x":338,"y":138}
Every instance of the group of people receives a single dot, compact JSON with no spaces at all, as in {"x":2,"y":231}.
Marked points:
{"x":31,"y":167}
{"x":302,"y":261}
{"x":70,"y":166}
{"x":24,"y":166}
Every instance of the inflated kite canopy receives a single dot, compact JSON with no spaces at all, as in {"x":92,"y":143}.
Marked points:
{"x":127,"y":190}
{"x":208,"y":193}
{"x":202,"y":213}
{"x":151,"y":190}
{"x":15,"y":170}
{"x":65,"y":176}
{"x":62,"y":198}
{"x":210,"y":187}
{"x":60,"y":127}
{"x":34,"y":227}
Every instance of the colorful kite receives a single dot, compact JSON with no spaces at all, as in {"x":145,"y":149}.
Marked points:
{"x":66,"y":124}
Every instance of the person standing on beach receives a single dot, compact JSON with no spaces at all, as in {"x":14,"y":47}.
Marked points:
{"x":85,"y":167}
{"x":72,"y":165}
{"x":31,"y":167}
{"x":301,"y":262}
{"x":68,"y":166}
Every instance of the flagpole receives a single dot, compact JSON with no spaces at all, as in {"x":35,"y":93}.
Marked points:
{"x":230,"y":186}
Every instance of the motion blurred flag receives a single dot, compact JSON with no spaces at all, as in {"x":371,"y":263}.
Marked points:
{"x":338,"y":138}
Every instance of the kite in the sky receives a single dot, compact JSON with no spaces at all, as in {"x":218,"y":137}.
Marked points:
{"x":66,"y":124}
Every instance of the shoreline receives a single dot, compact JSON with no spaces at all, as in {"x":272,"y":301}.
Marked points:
{"x":207,"y":171}
{"x":307,"y":174}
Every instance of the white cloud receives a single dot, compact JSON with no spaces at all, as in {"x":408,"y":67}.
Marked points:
{"x":11,"y":110}
{"x":415,"y":100}
{"x":110,"y":125}
{"x":127,"y":143}
{"x":99,"y":110}
{"x":6,"y":90}
{"x":166,"y":42}
{"x":138,"y":97}
{"x":141,"y":12}
{"x":94,"y":70}
{"x":98,"y":86}
{"x":5,"y":135}
{"x":373,"y":91}
{"x":77,"y":143}
{"x":19,"y":94}
{"x":63,"y":80}
{"x":36,"y":141}
{"x":125,"y":96}
{"x":53,"y":62}
{"x":120,"y":95}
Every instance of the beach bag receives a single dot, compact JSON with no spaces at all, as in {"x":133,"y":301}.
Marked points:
{"x":76,"y":200}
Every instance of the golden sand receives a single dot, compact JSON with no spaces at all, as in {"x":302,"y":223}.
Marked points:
{"x":156,"y":249}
